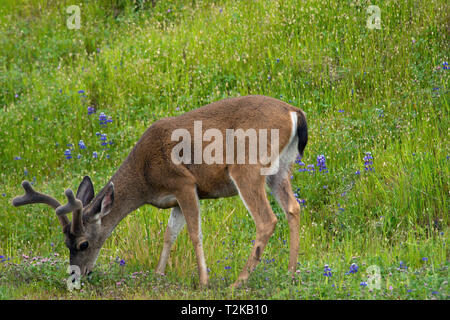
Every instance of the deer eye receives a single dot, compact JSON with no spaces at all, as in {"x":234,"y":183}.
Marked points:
{"x":84,"y":245}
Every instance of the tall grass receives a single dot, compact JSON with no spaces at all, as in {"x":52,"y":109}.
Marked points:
{"x":381,"y":91}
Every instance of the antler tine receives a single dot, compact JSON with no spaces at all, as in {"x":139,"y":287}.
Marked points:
{"x":32,"y":196}
{"x":75,"y":206}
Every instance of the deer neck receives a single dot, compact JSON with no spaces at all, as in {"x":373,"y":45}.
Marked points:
{"x":128,"y":196}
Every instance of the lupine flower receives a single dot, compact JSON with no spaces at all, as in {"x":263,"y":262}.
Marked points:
{"x":321,"y":163}
{"x":81,"y":144}
{"x":424,"y":259}
{"x":17,"y":158}
{"x":102,"y":118}
{"x":403,"y":265}
{"x":310,"y":168}
{"x":363,"y":284}
{"x":80,"y":91}
{"x":341,"y":111}
{"x":121,"y":262}
{"x":368,"y":161}
{"x":68,"y":154}
{"x":445,"y":65}
{"x":353,"y":269}
{"x":357,"y":172}
{"x":299,"y":162}
{"x":327,"y":271}
{"x":95,"y":155}
{"x":103,"y":138}
{"x":90,"y":110}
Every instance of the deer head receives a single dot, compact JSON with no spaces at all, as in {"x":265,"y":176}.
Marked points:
{"x":83,"y":235}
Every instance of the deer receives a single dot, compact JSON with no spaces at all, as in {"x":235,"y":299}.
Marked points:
{"x":149,"y":175}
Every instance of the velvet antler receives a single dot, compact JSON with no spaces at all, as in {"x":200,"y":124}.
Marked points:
{"x":76,"y":207}
{"x":31,"y":196}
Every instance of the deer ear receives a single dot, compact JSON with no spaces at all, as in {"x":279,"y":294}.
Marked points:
{"x":107,"y":201}
{"x":85,"y":191}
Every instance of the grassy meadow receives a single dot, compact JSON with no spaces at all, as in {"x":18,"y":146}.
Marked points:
{"x":377,"y":102}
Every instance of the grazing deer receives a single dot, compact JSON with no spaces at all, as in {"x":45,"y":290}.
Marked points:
{"x":149,"y":175}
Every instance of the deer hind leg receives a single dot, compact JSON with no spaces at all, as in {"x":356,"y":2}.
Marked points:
{"x":174,"y":226}
{"x":189,"y":204}
{"x":250,"y":185}
{"x":282,"y":190}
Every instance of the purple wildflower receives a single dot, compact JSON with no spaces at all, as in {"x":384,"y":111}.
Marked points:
{"x":68,"y":154}
{"x":103,"y":138}
{"x":353,"y":269}
{"x":327,"y":271}
{"x":91,"y":110}
{"x":81,"y":144}
{"x":102,"y":118}
{"x":321,"y":163}
{"x":368,"y":161}
{"x":403,"y":265}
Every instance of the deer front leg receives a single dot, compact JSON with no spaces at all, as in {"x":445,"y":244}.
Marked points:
{"x":189,"y":204}
{"x":250,"y":185}
{"x":174,"y":226}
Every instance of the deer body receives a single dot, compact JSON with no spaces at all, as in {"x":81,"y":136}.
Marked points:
{"x":149,"y":175}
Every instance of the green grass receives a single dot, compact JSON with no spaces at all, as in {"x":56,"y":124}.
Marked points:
{"x":380,"y":91}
